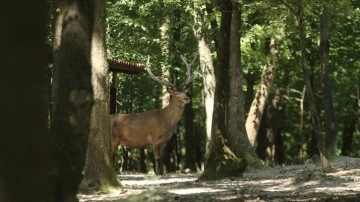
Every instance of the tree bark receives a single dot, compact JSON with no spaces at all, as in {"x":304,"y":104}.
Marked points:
{"x":74,"y":97}
{"x":330,"y":123}
{"x":256,"y":110}
{"x":170,"y":154}
{"x":113,"y":90}
{"x":221,"y":162}
{"x":24,"y":138}
{"x":350,"y":121}
{"x":238,"y":139}
{"x":275,"y":115}
{"x":250,"y":83}
{"x":164,"y":33}
{"x":207,"y":67}
{"x":326,"y":167}
{"x":190,"y":136}
{"x":98,"y":172}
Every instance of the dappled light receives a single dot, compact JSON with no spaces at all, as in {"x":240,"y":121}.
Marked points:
{"x":195,"y":190}
{"x":282,"y":183}
{"x":144,"y":180}
{"x":241,"y":100}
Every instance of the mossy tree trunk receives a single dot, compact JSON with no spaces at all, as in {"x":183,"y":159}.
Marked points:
{"x":73,"y":96}
{"x":221,"y":159}
{"x":99,"y":173}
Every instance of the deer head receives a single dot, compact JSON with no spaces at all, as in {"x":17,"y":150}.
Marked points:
{"x":180,"y":95}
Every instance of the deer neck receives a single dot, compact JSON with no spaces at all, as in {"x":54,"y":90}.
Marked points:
{"x":173,"y":111}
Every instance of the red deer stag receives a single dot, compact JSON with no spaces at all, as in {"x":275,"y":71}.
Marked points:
{"x":154,"y":127}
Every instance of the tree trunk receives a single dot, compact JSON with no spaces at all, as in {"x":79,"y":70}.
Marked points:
{"x":351,"y":119}
{"x":189,"y":136}
{"x":330,"y":123}
{"x":164,"y":33}
{"x":221,"y":162}
{"x":143,"y":167}
{"x":24,"y":139}
{"x":208,"y":73}
{"x":275,"y":114}
{"x":256,"y":110}
{"x":98,"y":172}
{"x":250,"y":83}
{"x":113,"y":90}
{"x":74,"y":97}
{"x":170,"y":152}
{"x":309,"y":93}
{"x":301,"y":125}
{"x":170,"y":155}
{"x":237,"y":137}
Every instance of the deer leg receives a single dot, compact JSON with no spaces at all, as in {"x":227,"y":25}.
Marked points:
{"x":158,"y":150}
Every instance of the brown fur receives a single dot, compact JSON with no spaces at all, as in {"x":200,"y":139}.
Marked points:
{"x":154,"y":127}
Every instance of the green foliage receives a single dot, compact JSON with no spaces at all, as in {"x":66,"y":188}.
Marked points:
{"x":134,"y":32}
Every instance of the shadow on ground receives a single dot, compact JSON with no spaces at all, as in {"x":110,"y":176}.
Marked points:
{"x":286,"y":183}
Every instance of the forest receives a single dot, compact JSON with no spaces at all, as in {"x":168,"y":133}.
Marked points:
{"x":268,"y":96}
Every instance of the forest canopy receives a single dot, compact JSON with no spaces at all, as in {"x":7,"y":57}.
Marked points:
{"x":275,"y":83}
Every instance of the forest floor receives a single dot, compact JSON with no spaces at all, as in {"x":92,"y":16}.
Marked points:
{"x":283,"y":183}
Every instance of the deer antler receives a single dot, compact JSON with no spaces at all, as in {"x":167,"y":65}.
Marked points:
{"x":162,"y":82}
{"x":190,"y":77}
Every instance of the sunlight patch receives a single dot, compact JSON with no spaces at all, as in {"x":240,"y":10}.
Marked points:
{"x":110,"y":196}
{"x":196,"y":190}
{"x":156,"y":181}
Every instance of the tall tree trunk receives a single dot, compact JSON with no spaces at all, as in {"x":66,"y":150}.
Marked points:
{"x":74,"y":97}
{"x":190,"y":136}
{"x":164,"y":33}
{"x":330,"y":123}
{"x":250,"y":83}
{"x":220,"y":160}
{"x":98,"y":172}
{"x":170,"y":153}
{"x":301,"y":126}
{"x":207,"y":67}
{"x":309,"y":93}
{"x":256,"y":110}
{"x":24,"y":139}
{"x":113,"y":90}
{"x":280,"y":116}
{"x":237,"y":137}
{"x":143,"y":167}
{"x":275,"y":114}
{"x":350,"y":121}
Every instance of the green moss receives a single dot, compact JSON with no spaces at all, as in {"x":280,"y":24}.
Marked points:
{"x":253,"y":162}
{"x":105,"y":183}
{"x":222,"y":163}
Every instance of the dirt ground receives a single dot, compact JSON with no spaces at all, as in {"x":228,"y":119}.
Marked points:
{"x":283,"y":183}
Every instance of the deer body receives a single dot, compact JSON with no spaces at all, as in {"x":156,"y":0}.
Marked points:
{"x":154,"y":127}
